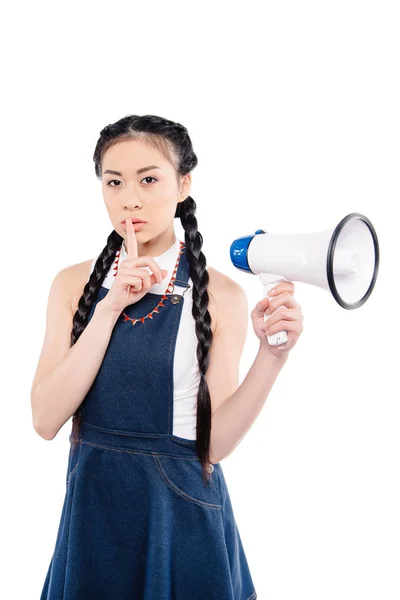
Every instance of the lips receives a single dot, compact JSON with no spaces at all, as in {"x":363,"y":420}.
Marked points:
{"x":134,"y":220}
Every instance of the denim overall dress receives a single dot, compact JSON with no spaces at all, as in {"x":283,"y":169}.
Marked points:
{"x":138,"y":522}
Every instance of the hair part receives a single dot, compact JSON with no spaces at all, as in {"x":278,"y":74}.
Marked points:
{"x":173,"y":141}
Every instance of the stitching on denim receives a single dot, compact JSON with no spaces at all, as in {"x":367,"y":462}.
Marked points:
{"x":171,"y":361}
{"x":75,"y":467}
{"x":219,"y":481}
{"x":253,"y":596}
{"x":185,"y":280}
{"x":181,"y":440}
{"x":139,"y":434}
{"x":70,"y":519}
{"x":150,"y":453}
{"x":178,"y":490}
{"x":72,"y":472}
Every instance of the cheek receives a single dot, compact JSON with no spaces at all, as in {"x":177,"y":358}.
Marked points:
{"x":111,"y":207}
{"x":106,"y":196}
{"x":111,"y":200}
{"x":160,"y":205}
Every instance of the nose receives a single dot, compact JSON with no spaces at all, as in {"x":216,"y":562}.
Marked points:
{"x":132,"y":203}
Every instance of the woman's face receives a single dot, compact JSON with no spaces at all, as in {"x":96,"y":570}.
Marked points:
{"x":150,"y":195}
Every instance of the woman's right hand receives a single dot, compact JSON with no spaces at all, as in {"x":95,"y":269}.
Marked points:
{"x":132,"y":281}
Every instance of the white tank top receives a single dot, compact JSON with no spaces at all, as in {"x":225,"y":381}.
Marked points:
{"x":186,"y":366}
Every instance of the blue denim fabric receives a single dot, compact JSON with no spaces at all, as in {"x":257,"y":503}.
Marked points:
{"x":138,"y":521}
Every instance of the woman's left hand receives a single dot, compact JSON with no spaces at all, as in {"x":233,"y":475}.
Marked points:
{"x":288,"y":319}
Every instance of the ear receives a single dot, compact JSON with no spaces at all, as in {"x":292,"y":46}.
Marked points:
{"x":186,"y":184}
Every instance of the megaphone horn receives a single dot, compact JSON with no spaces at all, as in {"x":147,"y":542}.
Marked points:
{"x":343,"y":260}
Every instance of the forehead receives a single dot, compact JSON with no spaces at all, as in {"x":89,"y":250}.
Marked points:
{"x":129,"y":155}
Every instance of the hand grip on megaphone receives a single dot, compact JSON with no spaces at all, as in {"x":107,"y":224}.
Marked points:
{"x":281,"y":336}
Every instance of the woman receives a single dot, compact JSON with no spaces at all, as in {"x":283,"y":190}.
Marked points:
{"x":147,"y":512}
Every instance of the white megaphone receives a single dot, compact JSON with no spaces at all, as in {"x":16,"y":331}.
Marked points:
{"x":344,"y":260}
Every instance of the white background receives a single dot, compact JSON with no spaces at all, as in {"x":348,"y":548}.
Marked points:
{"x":293,"y":111}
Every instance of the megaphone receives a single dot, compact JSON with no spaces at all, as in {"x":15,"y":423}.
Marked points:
{"x":343,"y":260}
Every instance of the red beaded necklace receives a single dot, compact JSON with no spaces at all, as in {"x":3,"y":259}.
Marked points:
{"x":175,"y":298}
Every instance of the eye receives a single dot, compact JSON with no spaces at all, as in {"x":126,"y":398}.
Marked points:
{"x":149,"y":177}
{"x":112,"y":180}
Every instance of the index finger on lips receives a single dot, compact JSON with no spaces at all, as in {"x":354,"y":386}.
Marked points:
{"x":133,"y":252}
{"x":131,"y":239}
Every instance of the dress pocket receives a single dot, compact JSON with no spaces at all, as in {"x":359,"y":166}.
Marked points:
{"x":185,"y":478}
{"x":73,"y":461}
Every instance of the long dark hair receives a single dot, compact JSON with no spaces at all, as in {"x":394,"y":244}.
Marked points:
{"x":172,"y":139}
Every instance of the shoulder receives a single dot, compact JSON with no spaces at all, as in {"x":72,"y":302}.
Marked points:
{"x":227,"y":296}
{"x":222,"y":285}
{"x":76,"y":277}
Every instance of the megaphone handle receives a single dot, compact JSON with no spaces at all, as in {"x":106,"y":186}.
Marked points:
{"x":281,"y":336}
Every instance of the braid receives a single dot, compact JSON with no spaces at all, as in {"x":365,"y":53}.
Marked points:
{"x":90,"y":291}
{"x":199,"y":275}
{"x":173,"y":141}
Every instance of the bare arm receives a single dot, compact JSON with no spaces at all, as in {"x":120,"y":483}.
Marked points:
{"x":65,"y":373}
{"x":234,"y":417}
{"x":235,"y":407}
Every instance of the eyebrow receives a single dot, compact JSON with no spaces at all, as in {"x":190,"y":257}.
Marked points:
{"x":139,"y":171}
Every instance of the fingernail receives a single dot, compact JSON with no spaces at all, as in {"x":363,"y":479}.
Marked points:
{"x":271,"y":292}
